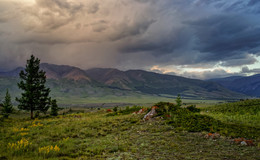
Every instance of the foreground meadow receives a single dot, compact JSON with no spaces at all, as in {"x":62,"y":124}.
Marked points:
{"x":95,"y":135}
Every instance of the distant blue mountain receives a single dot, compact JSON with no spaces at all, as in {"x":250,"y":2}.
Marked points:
{"x":13,"y":73}
{"x":247,"y":85}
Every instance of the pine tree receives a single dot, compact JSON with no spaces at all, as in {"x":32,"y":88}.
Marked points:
{"x":54,"y":108}
{"x":35,"y":96}
{"x":178,"y":100}
{"x":7,"y":105}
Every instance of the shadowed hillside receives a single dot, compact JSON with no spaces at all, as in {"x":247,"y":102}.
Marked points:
{"x":247,"y":85}
{"x":68,"y":82}
{"x":154,"y":83}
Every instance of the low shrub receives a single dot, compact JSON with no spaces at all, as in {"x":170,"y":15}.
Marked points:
{"x":192,"y":122}
{"x":127,"y":110}
{"x":163,"y":108}
{"x":115,"y":109}
{"x":193,"y":108}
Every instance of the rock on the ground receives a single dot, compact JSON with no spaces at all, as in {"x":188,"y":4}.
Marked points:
{"x":150,"y":114}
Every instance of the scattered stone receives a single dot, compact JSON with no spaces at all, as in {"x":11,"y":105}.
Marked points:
{"x":212,"y":135}
{"x":239,"y":140}
{"x":140,"y":111}
{"x":243,"y":143}
{"x":150,"y":114}
{"x":77,"y":116}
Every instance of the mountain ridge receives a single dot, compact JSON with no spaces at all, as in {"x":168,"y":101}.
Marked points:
{"x":63,"y":71}
{"x":139,"y":81}
{"x":155,"y":83}
{"x":249,"y":85}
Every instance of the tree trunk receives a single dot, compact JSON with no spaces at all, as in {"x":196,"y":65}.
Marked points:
{"x":31,"y":114}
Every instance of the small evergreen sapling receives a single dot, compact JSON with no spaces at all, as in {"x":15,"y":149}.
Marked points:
{"x":54,"y":108}
{"x":115,"y":109}
{"x":178,"y":101}
{"x":7,"y":105}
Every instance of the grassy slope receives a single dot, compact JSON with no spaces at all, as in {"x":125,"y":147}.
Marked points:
{"x":93,"y":135}
{"x":244,"y":112}
{"x":68,"y":92}
{"x":83,"y":92}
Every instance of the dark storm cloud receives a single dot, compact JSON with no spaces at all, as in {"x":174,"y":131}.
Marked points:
{"x":3,"y":19}
{"x":247,"y":70}
{"x":99,"y":26}
{"x":93,"y":8}
{"x":52,"y":14}
{"x":133,"y":34}
{"x":253,"y":2}
{"x":217,"y":73}
{"x":225,"y":35}
{"x":60,"y":6}
{"x":125,"y":29}
{"x":245,"y":6}
{"x":174,"y":40}
{"x":239,"y":60}
{"x":215,"y":37}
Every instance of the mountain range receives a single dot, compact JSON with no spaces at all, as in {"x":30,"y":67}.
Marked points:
{"x":249,"y":85}
{"x":72,"y":82}
{"x":154,"y":83}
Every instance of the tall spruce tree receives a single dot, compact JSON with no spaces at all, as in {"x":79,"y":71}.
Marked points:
{"x":35,"y":96}
{"x":7,"y":105}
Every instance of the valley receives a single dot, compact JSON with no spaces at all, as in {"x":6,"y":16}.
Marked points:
{"x":72,"y":85}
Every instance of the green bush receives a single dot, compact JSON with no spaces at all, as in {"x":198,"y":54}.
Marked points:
{"x":115,"y":109}
{"x":165,"y":108}
{"x":193,"y":108}
{"x":127,"y":110}
{"x":192,"y":122}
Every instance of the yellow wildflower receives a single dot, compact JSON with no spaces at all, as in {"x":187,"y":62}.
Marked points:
{"x":48,"y":149}
{"x":23,"y":145}
{"x":56,"y":148}
{"x":23,"y":134}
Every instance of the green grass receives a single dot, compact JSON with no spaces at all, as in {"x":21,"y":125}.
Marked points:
{"x":134,"y":99}
{"x":69,"y":92}
{"x":94,"y":135}
{"x":243,"y":112}
{"x":245,"y":119}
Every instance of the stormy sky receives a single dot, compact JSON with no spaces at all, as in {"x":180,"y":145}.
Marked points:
{"x":192,"y":38}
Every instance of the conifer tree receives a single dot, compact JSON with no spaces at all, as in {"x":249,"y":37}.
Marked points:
{"x":35,"y":96}
{"x":54,"y":108}
{"x":7,"y":105}
{"x":178,"y":100}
